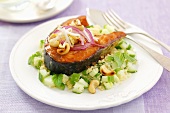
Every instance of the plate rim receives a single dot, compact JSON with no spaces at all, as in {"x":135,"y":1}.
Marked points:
{"x":19,"y":83}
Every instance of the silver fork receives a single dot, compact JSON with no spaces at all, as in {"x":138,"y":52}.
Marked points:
{"x":113,"y":19}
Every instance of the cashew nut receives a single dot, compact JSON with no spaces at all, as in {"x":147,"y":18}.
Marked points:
{"x":105,"y":71}
{"x":54,"y":43}
{"x":65,"y":50}
{"x":81,"y":27}
{"x":52,"y":36}
{"x":93,"y":85}
{"x":76,"y":23}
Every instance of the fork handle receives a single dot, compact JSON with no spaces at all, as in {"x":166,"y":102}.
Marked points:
{"x":154,"y":39}
{"x":161,"y":59}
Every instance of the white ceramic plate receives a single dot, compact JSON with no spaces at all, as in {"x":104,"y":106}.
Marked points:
{"x":31,"y":14}
{"x":149,"y":72}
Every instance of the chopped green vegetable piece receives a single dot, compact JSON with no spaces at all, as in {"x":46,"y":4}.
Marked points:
{"x":90,"y":26}
{"x":74,"y":78}
{"x":48,"y":81}
{"x":110,"y":78}
{"x":117,"y":69}
{"x":119,"y":58}
{"x":84,"y":72}
{"x":31,"y":58}
{"x":42,"y":74}
{"x":37,"y":62}
{"x":129,"y":58}
{"x":108,"y":85}
{"x":42,"y":44}
{"x":57,"y":79}
{"x":109,"y":58}
{"x":129,"y":47}
{"x":78,"y":88}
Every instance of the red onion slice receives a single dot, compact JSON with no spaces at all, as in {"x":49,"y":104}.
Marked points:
{"x":56,"y":31}
{"x":80,"y":47}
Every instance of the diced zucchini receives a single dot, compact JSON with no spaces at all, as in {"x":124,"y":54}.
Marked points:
{"x":108,"y":85}
{"x":48,"y":81}
{"x":78,"y":88}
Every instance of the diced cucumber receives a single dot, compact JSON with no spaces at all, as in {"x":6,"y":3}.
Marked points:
{"x":31,"y":58}
{"x":95,"y":31}
{"x":122,"y":74}
{"x":123,"y":65}
{"x":131,"y":68}
{"x":65,"y":78}
{"x":104,"y":79}
{"x":107,"y":79}
{"x":123,"y":45}
{"x":109,"y":58}
{"x":37,"y":62}
{"x":131,"y":53}
{"x":108,"y":85}
{"x":116,"y":79}
{"x":129,"y":58}
{"x":42,"y":74}
{"x":111,"y":79}
{"x":104,"y":31}
{"x":109,"y":28}
{"x":114,"y":65}
{"x":94,"y":72}
{"x":83,"y":82}
{"x":78,"y":88}
{"x":48,"y":81}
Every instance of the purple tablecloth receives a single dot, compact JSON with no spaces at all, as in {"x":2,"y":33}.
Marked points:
{"x":150,"y":15}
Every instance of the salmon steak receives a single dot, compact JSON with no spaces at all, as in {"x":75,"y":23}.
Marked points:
{"x":72,"y":47}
